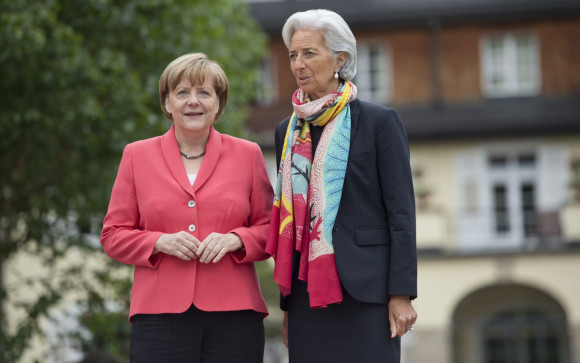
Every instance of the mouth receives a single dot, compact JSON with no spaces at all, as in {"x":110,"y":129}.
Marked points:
{"x":303,"y":79}
{"x":193,"y":114}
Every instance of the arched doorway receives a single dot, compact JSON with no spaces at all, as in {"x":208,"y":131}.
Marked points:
{"x":510,"y":324}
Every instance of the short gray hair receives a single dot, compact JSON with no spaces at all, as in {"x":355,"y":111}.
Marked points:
{"x":337,"y":35}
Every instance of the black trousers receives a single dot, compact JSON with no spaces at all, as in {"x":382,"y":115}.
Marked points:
{"x":197,"y":336}
{"x":350,"y":332}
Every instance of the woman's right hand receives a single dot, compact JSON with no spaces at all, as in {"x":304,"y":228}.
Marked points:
{"x":181,"y":245}
{"x":284,"y":329}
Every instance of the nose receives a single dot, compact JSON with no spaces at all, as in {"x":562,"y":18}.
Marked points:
{"x":193,"y":100}
{"x":299,"y":62}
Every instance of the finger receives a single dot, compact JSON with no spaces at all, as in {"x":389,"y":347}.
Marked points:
{"x":196,"y":242}
{"x":220,"y":255}
{"x":182,"y":255}
{"x":393,"y":327}
{"x":206,"y":253}
{"x":204,"y":245}
{"x":403,"y":328}
{"x":190,"y":247}
{"x":214,"y":252}
{"x":202,"y":248}
{"x":186,"y":251}
{"x":284,"y":333}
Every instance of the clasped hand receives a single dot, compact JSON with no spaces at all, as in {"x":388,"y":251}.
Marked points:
{"x":186,"y":247}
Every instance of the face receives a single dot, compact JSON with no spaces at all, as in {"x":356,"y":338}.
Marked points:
{"x":193,"y":107}
{"x":312,"y":63}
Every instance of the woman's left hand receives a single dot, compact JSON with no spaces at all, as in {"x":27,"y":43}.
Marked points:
{"x":216,"y":245}
{"x":402,"y":315}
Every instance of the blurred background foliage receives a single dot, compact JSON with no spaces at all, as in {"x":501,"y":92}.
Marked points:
{"x":79,"y":81}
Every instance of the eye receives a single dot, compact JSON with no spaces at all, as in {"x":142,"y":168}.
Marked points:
{"x":204,"y":92}
{"x":293,"y":56}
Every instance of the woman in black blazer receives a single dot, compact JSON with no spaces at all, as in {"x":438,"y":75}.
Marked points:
{"x":343,"y":222}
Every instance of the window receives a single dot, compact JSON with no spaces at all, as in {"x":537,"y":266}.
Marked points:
{"x":266,"y":83}
{"x":509,"y":194}
{"x":510,"y":323}
{"x":502,"y":221}
{"x":521,"y":336}
{"x":510,"y":65}
{"x":373,"y":73}
{"x":514,"y":194}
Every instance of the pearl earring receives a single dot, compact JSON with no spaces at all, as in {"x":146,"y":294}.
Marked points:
{"x":335,"y":74}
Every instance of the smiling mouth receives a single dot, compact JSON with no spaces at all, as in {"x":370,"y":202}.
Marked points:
{"x":192,"y":114}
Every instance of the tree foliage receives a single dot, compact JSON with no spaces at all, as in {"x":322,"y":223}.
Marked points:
{"x":79,"y":81}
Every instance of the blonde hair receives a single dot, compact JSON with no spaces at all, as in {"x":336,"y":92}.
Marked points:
{"x":196,"y":67}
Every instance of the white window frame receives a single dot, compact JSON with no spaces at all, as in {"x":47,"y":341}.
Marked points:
{"x":508,"y":66}
{"x":362,"y":80}
{"x":512,"y":177}
{"x":476,"y":180}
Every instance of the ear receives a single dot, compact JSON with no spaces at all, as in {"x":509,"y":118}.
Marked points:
{"x":168,"y":104}
{"x":341,"y":59}
{"x":217,"y":108}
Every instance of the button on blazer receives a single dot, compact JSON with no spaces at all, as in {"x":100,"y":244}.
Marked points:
{"x":152,"y":195}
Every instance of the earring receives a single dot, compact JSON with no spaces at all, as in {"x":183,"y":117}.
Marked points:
{"x":335,"y":74}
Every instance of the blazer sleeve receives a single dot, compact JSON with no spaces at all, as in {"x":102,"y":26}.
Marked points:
{"x":396,"y":182}
{"x":261,"y":197}
{"x":121,"y":237}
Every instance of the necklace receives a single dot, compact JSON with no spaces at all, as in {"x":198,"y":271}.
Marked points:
{"x":189,"y":157}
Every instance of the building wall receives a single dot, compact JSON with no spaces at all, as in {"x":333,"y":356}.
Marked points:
{"x":445,"y":281}
{"x":560,"y":54}
{"x":414,"y":61}
{"x":437,"y":219}
{"x":411,"y":67}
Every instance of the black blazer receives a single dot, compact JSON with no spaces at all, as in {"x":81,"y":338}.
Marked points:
{"x":374,"y":232}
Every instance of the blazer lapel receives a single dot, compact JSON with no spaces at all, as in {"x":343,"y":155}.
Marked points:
{"x":173,"y":159}
{"x":213,"y":150}
{"x":354,"y":118}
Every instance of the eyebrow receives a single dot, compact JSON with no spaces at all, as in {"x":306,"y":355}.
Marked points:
{"x":303,"y":49}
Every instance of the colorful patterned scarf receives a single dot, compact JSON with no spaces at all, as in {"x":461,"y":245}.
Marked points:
{"x":308,"y":194}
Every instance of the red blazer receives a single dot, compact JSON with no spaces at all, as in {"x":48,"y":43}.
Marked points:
{"x":152,"y":195}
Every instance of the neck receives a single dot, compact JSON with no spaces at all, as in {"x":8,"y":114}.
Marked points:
{"x":192,"y":144}
{"x":335,"y":86}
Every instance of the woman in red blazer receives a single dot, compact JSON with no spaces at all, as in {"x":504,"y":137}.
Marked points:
{"x":190,"y":210}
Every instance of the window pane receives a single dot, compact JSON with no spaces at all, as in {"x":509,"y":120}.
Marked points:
{"x":522,"y":336}
{"x":371,"y":79}
{"x":529,"y":209}
{"x":527,"y":160}
{"x":498,"y":162}
{"x":511,"y":64}
{"x":495,"y":349}
{"x":501,"y":209}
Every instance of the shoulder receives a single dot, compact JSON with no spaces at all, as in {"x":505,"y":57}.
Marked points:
{"x":282,"y":126}
{"x":374,"y":110}
{"x":144,"y":145}
{"x":236,"y":143}
{"x":379,"y":119}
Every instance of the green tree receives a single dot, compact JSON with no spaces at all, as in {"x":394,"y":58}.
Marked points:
{"x":79,"y":81}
